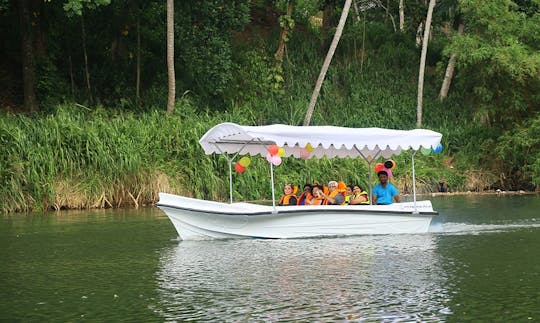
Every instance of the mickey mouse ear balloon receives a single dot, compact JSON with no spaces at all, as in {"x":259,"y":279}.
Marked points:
{"x":390,"y":164}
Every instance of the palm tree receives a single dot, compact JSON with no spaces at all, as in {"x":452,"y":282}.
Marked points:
{"x":423,"y":64}
{"x":327,"y":61}
{"x":170,"y":55}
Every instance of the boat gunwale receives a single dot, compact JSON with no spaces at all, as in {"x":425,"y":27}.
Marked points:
{"x":307,"y":210}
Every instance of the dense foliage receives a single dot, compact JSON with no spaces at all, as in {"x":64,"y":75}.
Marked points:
{"x":95,"y":143}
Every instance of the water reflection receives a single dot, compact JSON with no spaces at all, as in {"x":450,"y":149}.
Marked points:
{"x":358,"y":278}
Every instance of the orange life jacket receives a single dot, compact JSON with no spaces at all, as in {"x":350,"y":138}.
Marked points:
{"x":317,"y":201}
{"x":284,"y":200}
{"x":307,"y":196}
{"x":332,"y":195}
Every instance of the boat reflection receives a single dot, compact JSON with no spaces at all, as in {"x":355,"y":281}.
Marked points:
{"x":394,"y":277}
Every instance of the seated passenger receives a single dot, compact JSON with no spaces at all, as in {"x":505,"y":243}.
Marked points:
{"x":289,"y":195}
{"x":318,"y":196}
{"x":348,"y":195}
{"x":385,"y":191}
{"x":359,"y":196}
{"x":305,"y":196}
{"x":334,"y":196}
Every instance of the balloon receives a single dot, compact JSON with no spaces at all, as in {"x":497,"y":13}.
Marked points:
{"x":390,"y":164}
{"x":425,"y":151}
{"x":276,"y":160}
{"x":378,"y":167}
{"x":244,"y":161}
{"x":273,"y":150}
{"x":304,"y":153}
{"x":437,"y":149}
{"x":389,"y":172}
{"x":239,"y":168}
{"x":309,"y":147}
{"x":281,"y":152}
{"x":269,"y":157}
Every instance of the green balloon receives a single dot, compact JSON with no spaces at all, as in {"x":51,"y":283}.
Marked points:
{"x":425,"y":151}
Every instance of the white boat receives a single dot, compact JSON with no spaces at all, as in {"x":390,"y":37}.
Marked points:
{"x":196,"y":219}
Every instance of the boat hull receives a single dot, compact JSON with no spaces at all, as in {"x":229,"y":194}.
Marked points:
{"x":196,"y":219}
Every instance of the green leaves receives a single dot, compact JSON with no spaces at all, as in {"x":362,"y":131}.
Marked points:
{"x":75,"y":7}
{"x":498,"y":57}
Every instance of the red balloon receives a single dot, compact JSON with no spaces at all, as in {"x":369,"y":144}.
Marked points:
{"x":239,"y":168}
{"x":379,"y":167}
{"x":273,"y":150}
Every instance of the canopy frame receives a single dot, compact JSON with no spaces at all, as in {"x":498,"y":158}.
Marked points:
{"x":327,"y":141}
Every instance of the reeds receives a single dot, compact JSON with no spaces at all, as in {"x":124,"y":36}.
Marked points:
{"x":75,"y":158}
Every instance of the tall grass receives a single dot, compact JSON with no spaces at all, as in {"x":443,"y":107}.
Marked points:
{"x":74,"y":158}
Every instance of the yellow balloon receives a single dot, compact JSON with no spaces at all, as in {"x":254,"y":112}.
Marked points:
{"x":281,"y":152}
{"x":309,"y":147}
{"x":244,"y":161}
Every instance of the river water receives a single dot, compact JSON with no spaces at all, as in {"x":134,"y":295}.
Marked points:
{"x":481,"y":262}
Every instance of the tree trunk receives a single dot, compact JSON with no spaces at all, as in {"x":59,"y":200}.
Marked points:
{"x":138,"y":76}
{"x":356,"y":11}
{"x":328,"y":13}
{"x":87,"y":72}
{"x":401,"y":15}
{"x":72,"y":80}
{"x":283,"y":37}
{"x":419,"y":32}
{"x":423,"y":64}
{"x":362,"y":58}
{"x":327,"y":61}
{"x":28,"y":68}
{"x":170,"y":55}
{"x":445,"y":87}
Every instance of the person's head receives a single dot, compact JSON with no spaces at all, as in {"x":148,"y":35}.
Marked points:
{"x":316,"y":190}
{"x":307,"y":188}
{"x":349,"y":190}
{"x":383,"y":176}
{"x":332,"y":185}
{"x":357,"y":189}
{"x":288,"y":189}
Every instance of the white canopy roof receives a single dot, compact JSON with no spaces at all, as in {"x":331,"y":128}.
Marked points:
{"x":326,"y":141}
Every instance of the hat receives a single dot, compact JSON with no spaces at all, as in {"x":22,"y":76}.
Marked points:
{"x":382,"y":172}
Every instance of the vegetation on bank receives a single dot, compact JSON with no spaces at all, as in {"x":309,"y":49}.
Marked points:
{"x":74,"y":158}
{"x":117,"y":148}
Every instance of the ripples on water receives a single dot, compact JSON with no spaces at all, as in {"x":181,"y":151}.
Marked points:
{"x":477,"y":263}
{"x":480,"y":262}
{"x":360,"y":278}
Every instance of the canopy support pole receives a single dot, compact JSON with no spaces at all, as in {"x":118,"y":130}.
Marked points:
{"x":369,"y":162}
{"x":230,"y":160}
{"x":273,"y":190}
{"x":230,"y":181}
{"x":415,"y":211}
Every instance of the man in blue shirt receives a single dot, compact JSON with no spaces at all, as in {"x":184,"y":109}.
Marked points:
{"x":385,"y":191}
